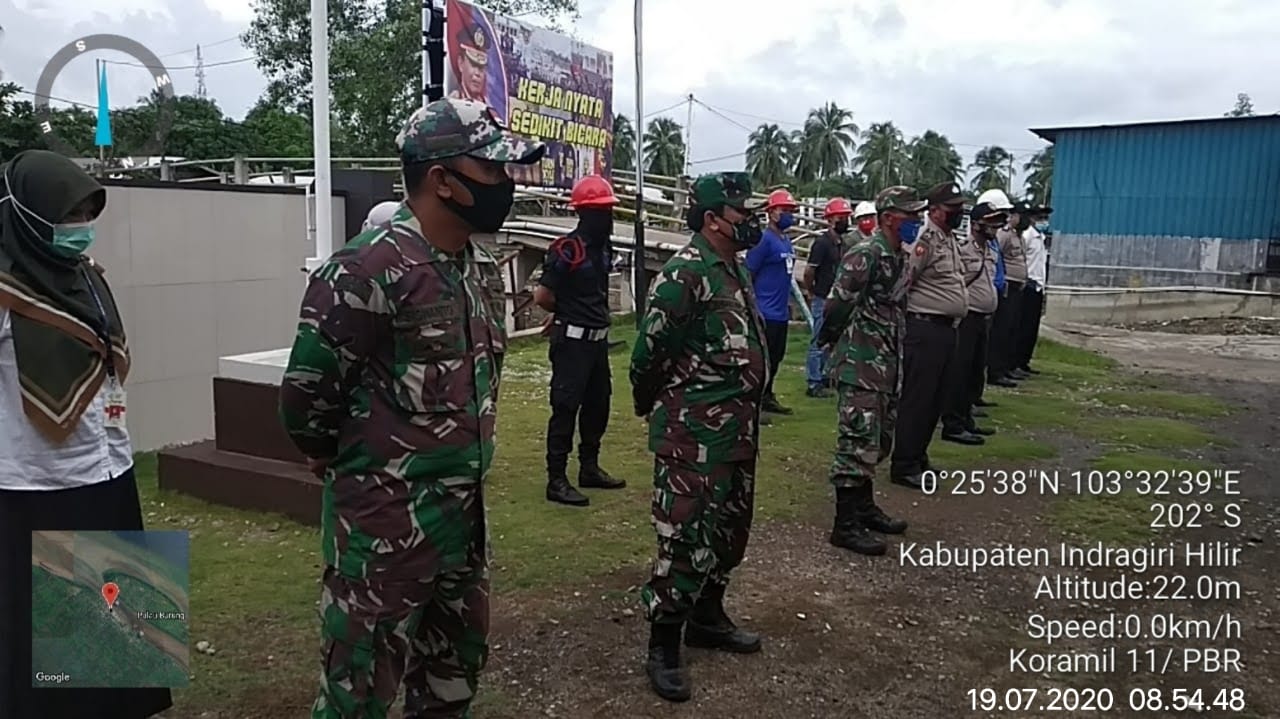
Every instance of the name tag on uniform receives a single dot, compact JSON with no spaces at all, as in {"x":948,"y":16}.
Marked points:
{"x":574,"y":333}
{"x":115,"y":404}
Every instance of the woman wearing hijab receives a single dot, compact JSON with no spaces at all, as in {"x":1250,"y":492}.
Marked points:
{"x":65,"y":458}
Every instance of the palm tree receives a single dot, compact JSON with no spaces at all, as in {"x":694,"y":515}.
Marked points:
{"x":624,"y":143}
{"x":995,"y":166}
{"x":1040,"y":177}
{"x":664,"y":147}
{"x":826,"y":142}
{"x":934,"y":160}
{"x":769,"y":153}
{"x":883,"y":159}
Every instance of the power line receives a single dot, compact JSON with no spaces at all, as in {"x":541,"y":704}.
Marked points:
{"x":717,"y":159}
{"x":224,"y":41}
{"x":206,"y":65}
{"x":59,"y":99}
{"x":721,"y":115}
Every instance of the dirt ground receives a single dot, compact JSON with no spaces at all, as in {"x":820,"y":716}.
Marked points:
{"x":850,"y":636}
{"x":1212,"y":326}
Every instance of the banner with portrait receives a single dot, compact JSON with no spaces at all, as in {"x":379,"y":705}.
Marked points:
{"x":546,"y":86}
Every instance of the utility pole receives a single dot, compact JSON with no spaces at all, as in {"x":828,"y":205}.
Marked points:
{"x":201,"y":91}
{"x":639,"y":281}
{"x":688,"y":137}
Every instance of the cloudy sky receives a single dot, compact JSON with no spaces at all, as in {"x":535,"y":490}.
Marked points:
{"x":979,"y":71}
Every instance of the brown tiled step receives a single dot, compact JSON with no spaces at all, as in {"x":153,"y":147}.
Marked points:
{"x":242,"y":481}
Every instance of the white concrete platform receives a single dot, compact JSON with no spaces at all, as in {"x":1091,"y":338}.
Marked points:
{"x":261,"y":367}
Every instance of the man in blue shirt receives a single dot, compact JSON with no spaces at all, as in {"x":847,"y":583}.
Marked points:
{"x":772,"y":266}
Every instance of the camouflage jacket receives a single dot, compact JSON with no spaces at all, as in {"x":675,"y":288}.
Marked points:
{"x":699,"y":368}
{"x":394,"y":379}
{"x":865,"y":316}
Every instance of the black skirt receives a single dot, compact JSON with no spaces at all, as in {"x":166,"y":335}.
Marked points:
{"x":111,"y":505}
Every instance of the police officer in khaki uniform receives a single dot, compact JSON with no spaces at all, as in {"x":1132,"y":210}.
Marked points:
{"x":1000,"y":370}
{"x":968,"y":371}
{"x":936,"y":302}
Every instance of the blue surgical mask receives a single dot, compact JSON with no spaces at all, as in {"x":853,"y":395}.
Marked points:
{"x":908,"y":231}
{"x":786,"y":220}
{"x":1042,"y":226}
{"x":72,"y":240}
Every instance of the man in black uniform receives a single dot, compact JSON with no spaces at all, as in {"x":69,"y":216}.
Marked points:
{"x":575,"y":287}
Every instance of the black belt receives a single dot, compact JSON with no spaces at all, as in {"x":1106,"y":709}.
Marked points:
{"x":1015,"y":283}
{"x":576,"y":332}
{"x":935,"y":319}
{"x":980,"y":315}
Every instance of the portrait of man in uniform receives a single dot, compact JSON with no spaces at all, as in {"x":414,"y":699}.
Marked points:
{"x":478,"y":72}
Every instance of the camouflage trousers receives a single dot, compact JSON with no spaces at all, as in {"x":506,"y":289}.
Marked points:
{"x":702,"y":514}
{"x":430,"y":633}
{"x":864,"y":435}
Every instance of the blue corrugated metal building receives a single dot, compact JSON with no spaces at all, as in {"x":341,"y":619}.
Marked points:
{"x":1190,"y":202}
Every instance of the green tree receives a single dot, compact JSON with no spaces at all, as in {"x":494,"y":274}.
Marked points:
{"x":664,"y":147}
{"x":19,"y":129}
{"x":934,"y":160}
{"x":769,"y":154}
{"x":995,"y":167}
{"x":825,"y":143}
{"x":883,"y":158}
{"x":374,"y":62}
{"x":276,"y":132}
{"x":1040,"y":177}
{"x":624,"y":143}
{"x":1244,"y":106}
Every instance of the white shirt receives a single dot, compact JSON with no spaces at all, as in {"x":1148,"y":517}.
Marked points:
{"x":1037,"y":257}
{"x":92,"y":453}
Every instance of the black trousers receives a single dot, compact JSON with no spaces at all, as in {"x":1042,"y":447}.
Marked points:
{"x":1003,"y":344}
{"x":775,"y":338}
{"x":966,"y":375}
{"x":928,"y":351}
{"x":581,"y":386}
{"x":111,"y":505}
{"x":1028,"y":325}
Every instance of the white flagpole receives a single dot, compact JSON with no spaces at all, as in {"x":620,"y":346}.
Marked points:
{"x":320,"y":131}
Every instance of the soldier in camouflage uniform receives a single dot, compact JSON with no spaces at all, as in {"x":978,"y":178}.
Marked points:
{"x":391,"y":392}
{"x":697,"y":373}
{"x":865,"y":319}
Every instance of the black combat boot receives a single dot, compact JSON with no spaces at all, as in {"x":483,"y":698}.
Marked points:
{"x":560,"y":491}
{"x":591,"y":476}
{"x":1018,"y":375}
{"x":710,"y":628}
{"x":663,"y":666}
{"x":849,"y":531}
{"x":771,"y":405}
{"x":874,"y":518}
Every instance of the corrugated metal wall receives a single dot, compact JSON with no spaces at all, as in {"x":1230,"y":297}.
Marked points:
{"x":1216,"y":179}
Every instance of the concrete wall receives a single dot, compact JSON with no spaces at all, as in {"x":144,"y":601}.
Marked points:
{"x":1134,"y":261}
{"x":1123,"y":307}
{"x":199,"y":274}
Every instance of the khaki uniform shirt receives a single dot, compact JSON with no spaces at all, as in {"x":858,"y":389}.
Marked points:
{"x":935,"y":274}
{"x":1015,"y":254}
{"x":979,"y":274}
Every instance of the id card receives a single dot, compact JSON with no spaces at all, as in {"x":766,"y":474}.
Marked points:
{"x":115,"y":404}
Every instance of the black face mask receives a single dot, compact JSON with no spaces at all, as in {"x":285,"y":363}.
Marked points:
{"x":492,"y":202}
{"x":954,"y":219}
{"x":841,"y":227}
{"x":596,"y":226}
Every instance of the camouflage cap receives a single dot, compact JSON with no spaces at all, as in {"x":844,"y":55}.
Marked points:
{"x":453,"y":127}
{"x":901,"y":198}
{"x":724,"y":188}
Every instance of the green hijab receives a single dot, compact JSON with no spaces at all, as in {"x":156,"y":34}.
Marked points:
{"x":67,"y":332}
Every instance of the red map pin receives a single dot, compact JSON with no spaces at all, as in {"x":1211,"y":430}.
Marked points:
{"x":110,"y":592}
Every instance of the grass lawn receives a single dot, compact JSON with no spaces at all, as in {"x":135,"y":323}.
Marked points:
{"x":254,"y":577}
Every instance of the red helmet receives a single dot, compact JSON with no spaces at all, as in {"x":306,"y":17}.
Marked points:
{"x":592,"y":191}
{"x":837,"y":207}
{"x":781,"y":199}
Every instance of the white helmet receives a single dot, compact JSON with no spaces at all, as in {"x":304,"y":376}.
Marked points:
{"x":381,"y":212}
{"x":864,"y":208}
{"x":996,"y":198}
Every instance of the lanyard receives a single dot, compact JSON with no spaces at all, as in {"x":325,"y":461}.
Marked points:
{"x":104,"y":330}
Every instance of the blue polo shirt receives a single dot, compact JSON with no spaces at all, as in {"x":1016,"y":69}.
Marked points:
{"x":771,"y":263}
